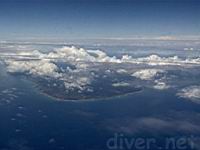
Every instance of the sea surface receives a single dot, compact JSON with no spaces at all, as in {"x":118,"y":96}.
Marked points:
{"x":32,"y":120}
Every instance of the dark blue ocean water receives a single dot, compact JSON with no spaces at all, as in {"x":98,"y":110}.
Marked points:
{"x":31,"y":120}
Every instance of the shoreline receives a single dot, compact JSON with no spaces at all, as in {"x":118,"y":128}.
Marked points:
{"x":88,"y":99}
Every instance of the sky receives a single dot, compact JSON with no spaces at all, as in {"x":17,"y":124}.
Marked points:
{"x":88,"y":19}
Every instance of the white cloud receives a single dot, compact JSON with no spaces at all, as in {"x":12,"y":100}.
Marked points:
{"x":8,"y":95}
{"x":121,"y":71}
{"x":71,"y":54}
{"x":75,"y":54}
{"x":188,"y":49}
{"x":74,"y":82}
{"x":191,"y":92}
{"x":152,"y":74}
{"x":165,"y":38}
{"x":39,"y":68}
{"x":147,"y":74}
{"x":161,"y":61}
{"x":160,"y":85}
{"x":120,"y":84}
{"x":46,"y":64}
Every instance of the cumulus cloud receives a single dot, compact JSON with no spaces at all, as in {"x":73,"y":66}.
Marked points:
{"x":79,"y":54}
{"x":154,"y":60}
{"x":191,"y":92}
{"x":74,"y":82}
{"x":71,"y":54}
{"x":160,"y":85}
{"x":39,"y":68}
{"x":82,"y":66}
{"x":45,"y":64}
{"x":155,"y":75}
{"x":147,"y":74}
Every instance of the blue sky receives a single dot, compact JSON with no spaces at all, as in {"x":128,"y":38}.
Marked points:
{"x":75,"y":19}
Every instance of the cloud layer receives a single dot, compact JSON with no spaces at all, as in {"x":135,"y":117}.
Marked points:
{"x":79,"y":70}
{"x":80,"y":54}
